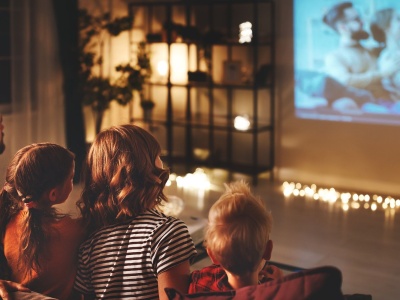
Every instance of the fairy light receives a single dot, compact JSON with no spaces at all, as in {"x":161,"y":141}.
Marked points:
{"x":346,"y":200}
{"x":196,"y":180}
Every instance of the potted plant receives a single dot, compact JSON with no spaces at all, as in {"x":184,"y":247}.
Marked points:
{"x":134,"y":77}
{"x":98,"y":90}
{"x":147,"y":106}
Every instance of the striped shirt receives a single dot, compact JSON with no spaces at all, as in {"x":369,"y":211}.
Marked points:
{"x":122,"y":261}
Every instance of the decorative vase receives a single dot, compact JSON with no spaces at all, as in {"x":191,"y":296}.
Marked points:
{"x":147,"y":115}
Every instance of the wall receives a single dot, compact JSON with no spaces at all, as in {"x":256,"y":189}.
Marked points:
{"x":355,"y":157}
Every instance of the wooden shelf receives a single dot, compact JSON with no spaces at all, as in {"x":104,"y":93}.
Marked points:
{"x":208,"y":118}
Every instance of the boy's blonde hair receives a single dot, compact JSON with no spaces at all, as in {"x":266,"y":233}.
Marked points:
{"x":238,"y":229}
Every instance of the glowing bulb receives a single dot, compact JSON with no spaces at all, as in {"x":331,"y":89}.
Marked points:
{"x":245,"y":32}
{"x":287,"y":192}
{"x":374,"y":206}
{"x":172,"y":176}
{"x":242,"y":123}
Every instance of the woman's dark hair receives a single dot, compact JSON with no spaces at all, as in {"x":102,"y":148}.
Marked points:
{"x":380,"y":22}
{"x":34,"y":170}
{"x":120,"y":177}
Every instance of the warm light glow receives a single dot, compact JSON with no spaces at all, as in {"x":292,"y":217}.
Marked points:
{"x":179,"y":63}
{"x":162,"y":68}
{"x":347,"y":200}
{"x":245,"y":32}
{"x":197,"y":180}
{"x":242,"y":123}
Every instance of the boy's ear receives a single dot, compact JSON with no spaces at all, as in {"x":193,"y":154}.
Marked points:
{"x":210,"y":254}
{"x":268,"y":250}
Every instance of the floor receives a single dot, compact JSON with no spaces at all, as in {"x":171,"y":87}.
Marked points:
{"x":363,"y":244}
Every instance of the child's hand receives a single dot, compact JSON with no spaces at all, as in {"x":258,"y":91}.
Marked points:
{"x":270,"y":273}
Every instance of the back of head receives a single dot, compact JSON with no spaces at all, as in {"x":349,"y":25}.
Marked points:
{"x":33,"y":171}
{"x":335,"y":14}
{"x":238,"y":229}
{"x":40,"y":167}
{"x":380,"y":23}
{"x":120,"y":176}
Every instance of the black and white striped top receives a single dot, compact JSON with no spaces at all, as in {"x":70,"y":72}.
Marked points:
{"x":123,"y":260}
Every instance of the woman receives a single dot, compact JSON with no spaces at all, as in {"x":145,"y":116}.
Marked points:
{"x":134,"y":251}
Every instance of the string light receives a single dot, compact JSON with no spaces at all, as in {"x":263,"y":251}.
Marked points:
{"x":346,"y":200}
{"x":197,"y":180}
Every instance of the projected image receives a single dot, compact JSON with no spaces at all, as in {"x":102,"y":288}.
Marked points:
{"x":347,"y":60}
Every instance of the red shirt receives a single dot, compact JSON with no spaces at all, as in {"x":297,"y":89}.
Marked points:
{"x":209,"y":279}
{"x":214,"y":279}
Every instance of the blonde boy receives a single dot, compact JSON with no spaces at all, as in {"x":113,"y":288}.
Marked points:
{"x":237,"y":241}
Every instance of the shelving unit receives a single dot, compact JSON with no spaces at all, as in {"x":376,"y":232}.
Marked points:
{"x":200,"y":114}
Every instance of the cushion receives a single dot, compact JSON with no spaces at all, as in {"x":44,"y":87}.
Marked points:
{"x":317,"y":283}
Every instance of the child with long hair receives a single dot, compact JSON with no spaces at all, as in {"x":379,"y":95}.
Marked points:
{"x":40,"y":244}
{"x":134,"y":251}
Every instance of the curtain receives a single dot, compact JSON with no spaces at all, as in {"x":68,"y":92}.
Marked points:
{"x":38,"y":103}
{"x":37,"y":96}
{"x":66,"y":21}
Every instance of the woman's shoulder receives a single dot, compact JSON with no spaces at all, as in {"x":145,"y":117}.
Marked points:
{"x":158,"y":218}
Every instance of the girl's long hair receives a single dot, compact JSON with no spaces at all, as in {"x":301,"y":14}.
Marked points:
{"x":34,"y":170}
{"x":120,"y":177}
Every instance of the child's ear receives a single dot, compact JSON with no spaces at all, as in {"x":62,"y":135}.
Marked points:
{"x":210,"y":254}
{"x":53,"y":195}
{"x":268,"y":250}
